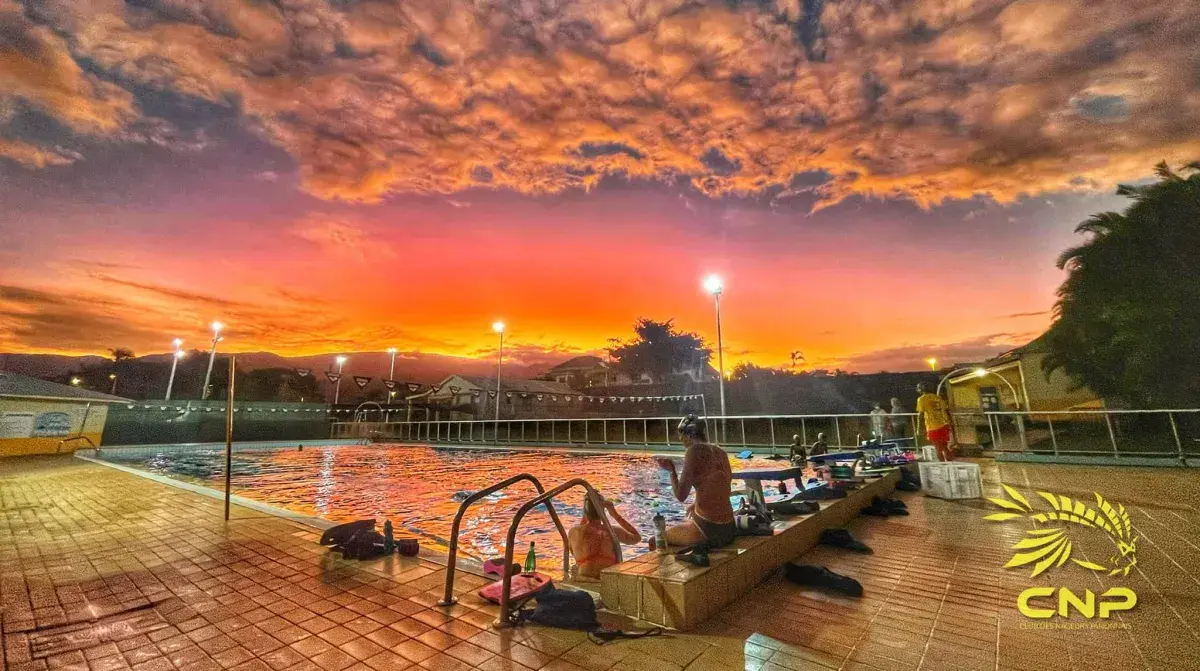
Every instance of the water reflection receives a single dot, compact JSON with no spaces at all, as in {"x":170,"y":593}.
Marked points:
{"x":420,"y":488}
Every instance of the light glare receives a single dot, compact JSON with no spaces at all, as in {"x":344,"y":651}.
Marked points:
{"x":713,"y":285}
{"x":498,"y":327}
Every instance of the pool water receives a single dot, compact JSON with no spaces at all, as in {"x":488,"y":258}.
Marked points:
{"x":420,"y":488}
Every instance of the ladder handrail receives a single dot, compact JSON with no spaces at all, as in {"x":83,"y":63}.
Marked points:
{"x":505,"y":617}
{"x":69,"y":439}
{"x":449,"y":598}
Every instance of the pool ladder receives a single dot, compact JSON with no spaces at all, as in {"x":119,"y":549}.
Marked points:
{"x":544,"y":498}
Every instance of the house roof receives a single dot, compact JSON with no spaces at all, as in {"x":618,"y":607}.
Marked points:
{"x":14,"y":385}
{"x":531,"y":386}
{"x":585,"y":362}
{"x":1038,"y":344}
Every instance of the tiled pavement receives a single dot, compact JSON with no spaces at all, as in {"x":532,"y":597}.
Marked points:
{"x":174,"y":586}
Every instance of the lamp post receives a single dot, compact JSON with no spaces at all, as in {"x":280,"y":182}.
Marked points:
{"x":932,"y":361}
{"x":337,"y":388}
{"x":714,"y":286}
{"x":75,"y":382}
{"x":498,"y":327}
{"x":212,"y":355}
{"x":175,"y":357}
{"x":981,"y":372}
{"x":391,"y":371}
{"x":113,"y":377}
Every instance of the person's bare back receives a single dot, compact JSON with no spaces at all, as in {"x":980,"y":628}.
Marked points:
{"x":711,"y":477}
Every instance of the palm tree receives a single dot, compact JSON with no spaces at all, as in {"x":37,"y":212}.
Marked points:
{"x":120,"y":354}
{"x":1126,"y":322}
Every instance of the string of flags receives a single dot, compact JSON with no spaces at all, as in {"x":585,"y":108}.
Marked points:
{"x":476,"y":393}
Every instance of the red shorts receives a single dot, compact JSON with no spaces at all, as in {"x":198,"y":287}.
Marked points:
{"x":940,"y":437}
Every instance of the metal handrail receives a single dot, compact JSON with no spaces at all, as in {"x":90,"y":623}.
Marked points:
{"x":361,"y":415}
{"x":67,"y":440}
{"x":449,"y":599}
{"x":505,"y":617}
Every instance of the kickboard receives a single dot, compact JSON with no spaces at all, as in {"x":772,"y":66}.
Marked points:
{"x":524,"y":586}
{"x":745,"y":454}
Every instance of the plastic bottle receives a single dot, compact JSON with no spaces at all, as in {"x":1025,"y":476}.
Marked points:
{"x":389,"y":541}
{"x":660,"y":532}
{"x":530,"y":559}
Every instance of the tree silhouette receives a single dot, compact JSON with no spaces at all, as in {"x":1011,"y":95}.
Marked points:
{"x":1126,"y":322}
{"x":120,"y":354}
{"x":660,"y":350}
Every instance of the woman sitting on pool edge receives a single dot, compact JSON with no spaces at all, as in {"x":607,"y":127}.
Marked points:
{"x":593,"y":547}
{"x":705,"y":469}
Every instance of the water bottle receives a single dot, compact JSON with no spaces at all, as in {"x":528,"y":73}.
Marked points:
{"x":530,"y":559}
{"x":389,"y":541}
{"x":660,"y":532}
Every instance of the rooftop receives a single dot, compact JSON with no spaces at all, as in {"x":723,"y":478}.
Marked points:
{"x":15,"y":385}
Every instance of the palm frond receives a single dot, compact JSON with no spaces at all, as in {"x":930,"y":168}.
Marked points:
{"x":1164,"y":172}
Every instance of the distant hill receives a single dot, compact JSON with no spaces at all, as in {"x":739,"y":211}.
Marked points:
{"x":410,"y":367}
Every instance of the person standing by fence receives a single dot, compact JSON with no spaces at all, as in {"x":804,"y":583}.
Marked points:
{"x":932,"y":409}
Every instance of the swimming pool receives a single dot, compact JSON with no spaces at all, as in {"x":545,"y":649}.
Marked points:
{"x":420,"y":488}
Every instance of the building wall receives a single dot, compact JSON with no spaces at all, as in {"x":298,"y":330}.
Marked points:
{"x":1053,"y":391}
{"x":21,"y":418}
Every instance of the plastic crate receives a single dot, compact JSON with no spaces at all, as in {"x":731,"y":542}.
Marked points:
{"x":927,"y":453}
{"x":951,"y":480}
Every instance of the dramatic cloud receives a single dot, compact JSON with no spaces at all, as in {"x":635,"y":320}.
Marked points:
{"x":912,"y":357}
{"x":919,"y":99}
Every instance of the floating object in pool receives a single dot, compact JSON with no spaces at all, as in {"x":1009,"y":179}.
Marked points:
{"x":745,"y":454}
{"x":524,"y":587}
{"x":408,"y":547}
{"x":460,"y":495}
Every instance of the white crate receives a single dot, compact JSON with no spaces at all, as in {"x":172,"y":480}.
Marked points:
{"x":928,"y":453}
{"x":951,"y":480}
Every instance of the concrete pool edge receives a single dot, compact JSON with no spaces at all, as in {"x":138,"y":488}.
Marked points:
{"x":437,"y":556}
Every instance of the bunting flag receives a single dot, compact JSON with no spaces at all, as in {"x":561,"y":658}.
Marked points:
{"x":390,"y":384}
{"x":333,"y":377}
{"x":552,"y":398}
{"x":567,"y":399}
{"x":491,"y":393}
{"x":523,"y":395}
{"x":413,"y":386}
{"x":435,"y":388}
{"x":455,"y":390}
{"x":362,"y":381}
{"x":508,"y":395}
{"x":475,"y":393}
{"x":612,"y":399}
{"x":303,"y":372}
{"x":601,"y":400}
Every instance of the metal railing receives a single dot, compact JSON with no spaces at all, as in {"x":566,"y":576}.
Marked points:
{"x":449,"y":599}
{"x":740,"y":431}
{"x":1167,"y":433}
{"x":505,"y":617}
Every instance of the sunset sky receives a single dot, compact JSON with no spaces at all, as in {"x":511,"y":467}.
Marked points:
{"x":877,"y":182}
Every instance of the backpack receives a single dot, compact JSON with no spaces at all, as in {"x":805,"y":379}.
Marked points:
{"x":574,"y":609}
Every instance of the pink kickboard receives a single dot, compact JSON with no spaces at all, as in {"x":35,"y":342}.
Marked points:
{"x":524,"y":586}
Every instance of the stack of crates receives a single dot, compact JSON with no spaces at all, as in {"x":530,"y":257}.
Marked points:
{"x":951,"y":480}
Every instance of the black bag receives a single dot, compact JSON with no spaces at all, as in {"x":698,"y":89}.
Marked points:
{"x":563,"y":608}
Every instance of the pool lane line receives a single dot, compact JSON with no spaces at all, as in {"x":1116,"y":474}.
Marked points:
{"x":468,"y":564}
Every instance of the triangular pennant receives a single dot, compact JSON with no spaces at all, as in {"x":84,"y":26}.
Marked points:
{"x":508,"y":395}
{"x":553,"y":398}
{"x":475,"y":393}
{"x":455,"y":390}
{"x":303,"y":372}
{"x":413,"y":386}
{"x":491,"y":393}
{"x":390,"y":384}
{"x":435,"y":388}
{"x":540,"y":397}
{"x":362,"y":381}
{"x":333,"y":377}
{"x":567,"y":399}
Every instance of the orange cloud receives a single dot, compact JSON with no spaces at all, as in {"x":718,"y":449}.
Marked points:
{"x":926,"y":100}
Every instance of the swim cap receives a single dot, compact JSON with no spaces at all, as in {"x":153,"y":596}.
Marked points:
{"x":692,"y":426}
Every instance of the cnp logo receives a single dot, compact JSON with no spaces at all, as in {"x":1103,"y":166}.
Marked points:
{"x":1049,"y":544}
{"x":1115,"y":599}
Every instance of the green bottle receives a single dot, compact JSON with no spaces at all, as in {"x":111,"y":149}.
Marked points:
{"x":530,"y":559}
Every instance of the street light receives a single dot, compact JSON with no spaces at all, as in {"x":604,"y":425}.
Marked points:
{"x":392,"y":371}
{"x":498,"y":327}
{"x":337,"y":389}
{"x":932,"y":361}
{"x":981,"y":372}
{"x":714,"y":286}
{"x":212,"y":355}
{"x":174,"y":362}
{"x":75,"y":382}
{"x":113,"y":377}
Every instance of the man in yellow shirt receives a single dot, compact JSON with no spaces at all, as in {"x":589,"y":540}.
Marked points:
{"x":932,"y":409}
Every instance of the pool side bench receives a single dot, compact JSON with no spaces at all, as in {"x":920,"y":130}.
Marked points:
{"x":660,"y":589}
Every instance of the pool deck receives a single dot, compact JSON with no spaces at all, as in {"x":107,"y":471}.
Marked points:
{"x":176,"y":587}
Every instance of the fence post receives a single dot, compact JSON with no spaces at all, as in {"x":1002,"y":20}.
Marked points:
{"x":837,"y":430}
{"x":1053,"y":440}
{"x":803,"y":432}
{"x":624,"y":436}
{"x":743,"y":424}
{"x":1111,"y":436}
{"x":667,"y":431}
{"x":645,"y":434}
{"x":604,"y":427}
{"x":537,"y":432}
{"x":1175,"y":432}
{"x":586,"y":436}
{"x":569,"y":432}
{"x":509,"y":438}
{"x":771,"y":422}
